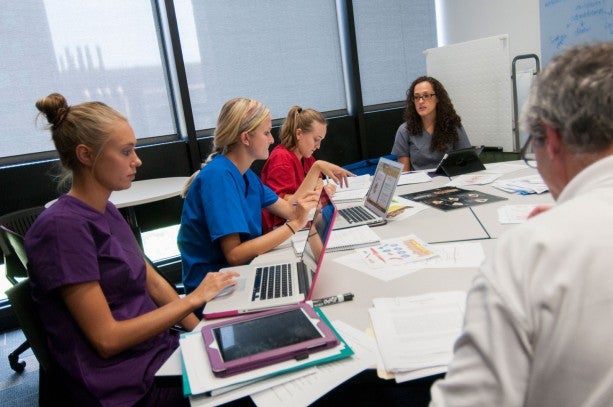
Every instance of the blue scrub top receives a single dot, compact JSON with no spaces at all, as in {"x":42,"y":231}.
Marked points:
{"x":220,"y":201}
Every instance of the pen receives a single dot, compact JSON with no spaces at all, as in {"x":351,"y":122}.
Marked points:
{"x":331,"y":300}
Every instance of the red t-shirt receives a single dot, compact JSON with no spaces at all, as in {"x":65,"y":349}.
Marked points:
{"x":283,"y":173}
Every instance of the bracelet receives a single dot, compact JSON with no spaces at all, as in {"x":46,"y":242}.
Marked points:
{"x":290,"y":228}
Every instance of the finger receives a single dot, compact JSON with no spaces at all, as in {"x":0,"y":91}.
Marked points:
{"x":333,"y":177}
{"x":539,"y":209}
{"x":344,"y":180}
{"x":534,"y":212}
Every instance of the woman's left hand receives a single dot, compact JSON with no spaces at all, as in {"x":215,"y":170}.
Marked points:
{"x":334,"y":172}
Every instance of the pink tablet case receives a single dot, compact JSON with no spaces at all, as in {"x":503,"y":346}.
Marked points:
{"x":296,"y":351}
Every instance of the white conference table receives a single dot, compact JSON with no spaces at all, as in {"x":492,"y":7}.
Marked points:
{"x":432,"y":225}
{"x":147,"y":191}
{"x":488,"y":214}
{"x":143,"y":192}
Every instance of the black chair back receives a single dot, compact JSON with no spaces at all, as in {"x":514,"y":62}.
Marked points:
{"x":18,"y":223}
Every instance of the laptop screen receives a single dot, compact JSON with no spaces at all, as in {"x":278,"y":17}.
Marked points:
{"x":383,"y":186}
{"x":319,"y":233}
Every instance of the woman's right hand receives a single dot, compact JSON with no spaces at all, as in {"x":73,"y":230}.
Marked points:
{"x":303,"y":207}
{"x":212,"y":284}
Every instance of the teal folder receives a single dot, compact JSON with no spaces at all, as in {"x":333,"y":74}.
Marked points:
{"x":345,"y":352}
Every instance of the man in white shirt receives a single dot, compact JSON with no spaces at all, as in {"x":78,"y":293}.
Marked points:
{"x":538,"y":329}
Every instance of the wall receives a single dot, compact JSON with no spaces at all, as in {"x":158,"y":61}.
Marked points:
{"x":468,"y":20}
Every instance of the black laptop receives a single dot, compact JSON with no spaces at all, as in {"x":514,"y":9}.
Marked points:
{"x":462,"y":161}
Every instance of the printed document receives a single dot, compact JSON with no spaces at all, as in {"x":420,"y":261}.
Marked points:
{"x":417,"y":332}
{"x":449,"y":255}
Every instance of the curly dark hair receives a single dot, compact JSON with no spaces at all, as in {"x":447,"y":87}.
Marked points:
{"x":447,"y":120}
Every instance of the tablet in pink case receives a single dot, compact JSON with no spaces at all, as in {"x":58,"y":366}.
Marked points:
{"x":248,"y":342}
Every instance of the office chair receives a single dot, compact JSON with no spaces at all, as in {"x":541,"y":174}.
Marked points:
{"x":171,"y":275}
{"x":14,"y":226}
{"x":18,"y":222}
{"x":51,"y":390}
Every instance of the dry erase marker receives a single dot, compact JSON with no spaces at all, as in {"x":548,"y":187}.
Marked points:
{"x":332,"y":300}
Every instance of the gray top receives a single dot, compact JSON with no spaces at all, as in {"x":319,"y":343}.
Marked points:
{"x":417,"y":147}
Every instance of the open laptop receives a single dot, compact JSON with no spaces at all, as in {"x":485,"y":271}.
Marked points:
{"x":373,"y":209}
{"x":265,"y":286}
{"x":461,"y":161}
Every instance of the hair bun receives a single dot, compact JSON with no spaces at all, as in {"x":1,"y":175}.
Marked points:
{"x":54,"y":107}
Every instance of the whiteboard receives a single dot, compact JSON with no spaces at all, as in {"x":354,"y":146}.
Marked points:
{"x":477,"y":76}
{"x":572,"y":22}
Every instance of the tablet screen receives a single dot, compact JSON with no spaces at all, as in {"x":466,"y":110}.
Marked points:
{"x":264,"y":334}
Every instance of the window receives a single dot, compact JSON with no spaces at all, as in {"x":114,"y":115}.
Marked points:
{"x":105,"y":50}
{"x":391,"y":36}
{"x":281,"y":52}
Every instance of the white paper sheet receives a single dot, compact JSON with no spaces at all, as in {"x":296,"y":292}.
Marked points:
{"x":357,"y":182}
{"x":532,"y":184}
{"x":417,"y":332}
{"x":247,"y":390}
{"x":200,"y":374}
{"x":349,"y":195}
{"x":396,"y":252}
{"x":306,"y":390}
{"x":456,"y":254}
{"x":402,"y":208}
{"x":475,"y":178}
{"x":414,"y":178}
{"x":508,"y":214}
{"x":504,"y":168}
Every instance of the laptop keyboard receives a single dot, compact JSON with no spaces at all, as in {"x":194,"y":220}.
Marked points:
{"x":272,"y":282}
{"x":356,"y":214}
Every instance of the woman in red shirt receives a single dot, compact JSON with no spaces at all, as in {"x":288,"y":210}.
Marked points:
{"x":291,"y":162}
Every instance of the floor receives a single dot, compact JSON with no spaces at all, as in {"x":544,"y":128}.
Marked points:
{"x":17,"y":389}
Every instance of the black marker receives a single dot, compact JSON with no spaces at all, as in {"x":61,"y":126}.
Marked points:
{"x":331,"y":300}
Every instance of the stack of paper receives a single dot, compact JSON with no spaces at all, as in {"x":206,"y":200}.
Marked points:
{"x":415,"y":335}
{"x":306,"y":390}
{"x":199,"y":380}
{"x":355,"y":191}
{"x":532,"y":184}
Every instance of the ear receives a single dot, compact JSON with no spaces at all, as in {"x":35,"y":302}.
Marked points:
{"x":553,"y":141}
{"x":298,"y":133}
{"x":85,"y":155}
{"x":244,"y":138}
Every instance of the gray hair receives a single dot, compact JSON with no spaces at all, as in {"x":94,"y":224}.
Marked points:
{"x":574,"y":95}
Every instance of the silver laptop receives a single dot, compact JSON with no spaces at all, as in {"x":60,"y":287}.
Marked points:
{"x":265,"y":286}
{"x":373,"y":210}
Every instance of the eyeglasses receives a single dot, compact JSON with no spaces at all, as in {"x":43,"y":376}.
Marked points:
{"x":527,"y":152}
{"x":425,"y":97}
